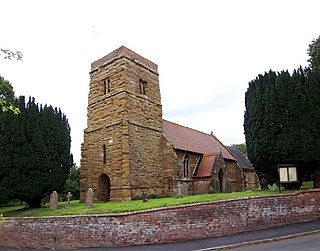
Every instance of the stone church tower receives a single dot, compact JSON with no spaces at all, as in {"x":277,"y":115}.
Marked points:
{"x":122,"y":152}
{"x":129,"y":149}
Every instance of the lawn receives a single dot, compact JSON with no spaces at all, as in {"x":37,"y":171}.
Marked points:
{"x":135,"y":205}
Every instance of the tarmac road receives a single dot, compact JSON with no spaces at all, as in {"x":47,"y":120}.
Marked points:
{"x":309,"y":243}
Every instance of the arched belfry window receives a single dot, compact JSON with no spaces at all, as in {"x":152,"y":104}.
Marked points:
{"x":106,"y":85}
{"x":104,"y":153}
{"x":186,"y":166}
{"x":142,"y":86}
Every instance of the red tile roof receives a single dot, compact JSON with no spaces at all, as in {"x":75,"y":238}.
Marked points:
{"x":205,"y":166}
{"x":187,"y":139}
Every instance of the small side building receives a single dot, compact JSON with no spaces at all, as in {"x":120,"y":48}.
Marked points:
{"x":251,"y":179}
{"x":204,"y":164}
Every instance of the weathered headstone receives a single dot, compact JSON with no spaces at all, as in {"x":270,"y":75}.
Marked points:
{"x":144,"y":196}
{"x":179,"y":191}
{"x":54,"y":200}
{"x":264,"y":184}
{"x":69,"y":195}
{"x":89,"y":198}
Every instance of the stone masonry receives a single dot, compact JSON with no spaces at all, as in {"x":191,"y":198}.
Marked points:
{"x":123,"y":141}
{"x":128,"y":147}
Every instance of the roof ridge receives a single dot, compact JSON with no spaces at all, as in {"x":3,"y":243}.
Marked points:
{"x":189,"y":139}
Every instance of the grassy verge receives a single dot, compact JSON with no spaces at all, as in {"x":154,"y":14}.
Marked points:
{"x":135,"y":205}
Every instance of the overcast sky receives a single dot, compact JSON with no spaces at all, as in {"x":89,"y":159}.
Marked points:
{"x":206,"y":52}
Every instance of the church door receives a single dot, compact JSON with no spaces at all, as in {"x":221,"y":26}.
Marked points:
{"x":104,"y":188}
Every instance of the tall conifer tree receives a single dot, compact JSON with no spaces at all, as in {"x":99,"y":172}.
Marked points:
{"x":286,"y":129}
{"x":34,"y":152}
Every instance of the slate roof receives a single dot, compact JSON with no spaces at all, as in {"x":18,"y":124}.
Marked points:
{"x":243,"y":162}
{"x":205,"y":166}
{"x":187,"y":139}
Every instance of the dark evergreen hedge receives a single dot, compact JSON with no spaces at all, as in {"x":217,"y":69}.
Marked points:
{"x":282,"y":121}
{"x":35,"y":154}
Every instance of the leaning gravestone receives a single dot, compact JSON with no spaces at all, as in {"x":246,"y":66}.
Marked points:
{"x":54,"y":200}
{"x":89,"y":198}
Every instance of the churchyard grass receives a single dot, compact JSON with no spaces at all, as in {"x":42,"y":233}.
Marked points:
{"x":134,"y":205}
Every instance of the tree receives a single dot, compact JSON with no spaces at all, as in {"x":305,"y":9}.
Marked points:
{"x":6,"y":90}
{"x":282,"y":121}
{"x":282,"y":118}
{"x":73,"y":182}
{"x":34,"y":152}
{"x":259,"y":125}
{"x":314,"y":54}
{"x":242,"y":148}
{"x":8,"y":54}
{"x":7,"y":96}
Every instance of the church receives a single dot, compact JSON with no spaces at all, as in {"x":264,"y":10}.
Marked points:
{"x":130,"y":150}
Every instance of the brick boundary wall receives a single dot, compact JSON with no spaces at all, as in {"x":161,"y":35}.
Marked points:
{"x":160,"y":225}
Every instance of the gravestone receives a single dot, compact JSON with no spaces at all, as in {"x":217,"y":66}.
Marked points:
{"x":89,"y":198}
{"x":69,"y":195}
{"x":264,"y":184}
{"x":179,"y":195}
{"x":54,"y":200}
{"x":144,"y":196}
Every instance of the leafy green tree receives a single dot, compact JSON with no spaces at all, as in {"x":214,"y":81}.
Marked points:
{"x":34,"y":152}
{"x":7,"y":96}
{"x":8,"y":54}
{"x":73,"y":182}
{"x":6,"y":90}
{"x":242,"y":148}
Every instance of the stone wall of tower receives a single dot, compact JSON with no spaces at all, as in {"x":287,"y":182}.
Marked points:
{"x":128,"y":123}
{"x":106,"y":126}
{"x":92,"y":165}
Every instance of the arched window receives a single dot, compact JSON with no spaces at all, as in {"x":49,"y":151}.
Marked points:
{"x":186,"y":166}
{"x":104,"y":154}
{"x":106,"y":86}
